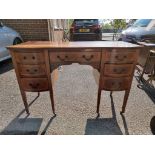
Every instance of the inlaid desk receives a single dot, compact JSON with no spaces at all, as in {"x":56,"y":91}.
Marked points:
{"x":34,"y":61}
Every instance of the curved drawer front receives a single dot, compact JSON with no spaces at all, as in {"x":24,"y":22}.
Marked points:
{"x":117,"y":70}
{"x":32,"y":70}
{"x":34,"y":84}
{"x":120,"y":56}
{"x":30,"y":58}
{"x":87,"y":55}
{"x":116,"y":84}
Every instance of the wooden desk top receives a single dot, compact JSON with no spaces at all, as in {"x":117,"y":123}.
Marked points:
{"x":77,"y":44}
{"x":147,"y":44}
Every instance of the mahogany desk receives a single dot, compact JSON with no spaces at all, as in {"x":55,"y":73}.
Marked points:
{"x":34,"y":61}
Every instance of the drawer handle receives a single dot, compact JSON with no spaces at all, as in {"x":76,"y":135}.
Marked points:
{"x":118,"y":84}
{"x":119,"y":71}
{"x":24,"y":57}
{"x":35,"y":70}
{"x":88,"y":59}
{"x":33,"y":57}
{"x":112,"y":83}
{"x":62,"y":59}
{"x":120,"y":58}
{"x":34,"y":85}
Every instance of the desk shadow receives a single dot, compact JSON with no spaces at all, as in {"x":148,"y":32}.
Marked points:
{"x":149,"y":90}
{"x":47,"y":125}
{"x":105,"y":126}
{"x":6,"y":66}
{"x":23,"y":126}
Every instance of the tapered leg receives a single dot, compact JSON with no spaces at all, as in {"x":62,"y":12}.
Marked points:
{"x":111,"y":93}
{"x":25,"y":101}
{"x":125,"y":100}
{"x":38,"y":94}
{"x":98,"y":100}
{"x":52,"y":101}
{"x":49,"y":71}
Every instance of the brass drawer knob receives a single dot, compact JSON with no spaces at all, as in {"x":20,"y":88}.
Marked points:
{"x":31,"y":71}
{"x":31,"y":85}
{"x":62,"y":59}
{"x":117,"y":84}
{"x":120,"y":58}
{"x":119,"y":71}
{"x":88,"y":58}
{"x":34,"y":85}
{"x":112,"y":83}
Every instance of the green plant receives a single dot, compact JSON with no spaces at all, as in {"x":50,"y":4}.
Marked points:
{"x":117,"y":24}
{"x":106,"y":26}
{"x":70,"y":22}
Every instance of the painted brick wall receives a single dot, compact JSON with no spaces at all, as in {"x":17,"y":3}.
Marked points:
{"x":29,"y":29}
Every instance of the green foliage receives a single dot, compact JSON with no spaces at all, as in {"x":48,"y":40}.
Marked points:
{"x":118,"y":24}
{"x":70,"y":22}
{"x":106,"y":26}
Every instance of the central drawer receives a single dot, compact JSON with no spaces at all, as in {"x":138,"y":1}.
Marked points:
{"x":115,"y":84}
{"x":79,"y":55}
{"x":34,"y":84}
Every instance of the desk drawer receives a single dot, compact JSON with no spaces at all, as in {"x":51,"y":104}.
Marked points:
{"x":75,"y":56}
{"x":34,"y":84}
{"x":32,"y":70}
{"x":118,"y":70}
{"x":116,"y":84}
{"x":120,"y":56}
{"x":30,"y":58}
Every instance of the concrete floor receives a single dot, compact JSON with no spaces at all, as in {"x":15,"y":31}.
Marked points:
{"x":75,"y":94}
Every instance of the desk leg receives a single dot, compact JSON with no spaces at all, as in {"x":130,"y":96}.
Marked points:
{"x":111,"y":93}
{"x":125,"y":100}
{"x":99,"y":95}
{"x":47,"y":62}
{"x":52,"y":100}
{"x":23,"y":94}
{"x":98,"y":100}
{"x":25,"y":101}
